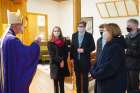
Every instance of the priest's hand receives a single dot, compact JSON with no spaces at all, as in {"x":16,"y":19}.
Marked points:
{"x":38,"y":40}
{"x":62,"y":64}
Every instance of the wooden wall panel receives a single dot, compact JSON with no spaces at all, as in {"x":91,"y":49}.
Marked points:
{"x":28,"y":35}
{"x":139,"y":6}
{"x":0,"y":19}
{"x":13,"y":7}
{"x":8,"y":4}
{"x":76,"y":13}
{"x":33,"y":29}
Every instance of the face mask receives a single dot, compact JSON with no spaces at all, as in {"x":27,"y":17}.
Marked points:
{"x":101,"y":33}
{"x":81,"y":29}
{"x":129,"y":29}
{"x":56,"y":34}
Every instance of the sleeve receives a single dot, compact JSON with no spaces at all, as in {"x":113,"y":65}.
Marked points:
{"x":92,"y":45}
{"x":23,"y":60}
{"x":66,"y":50}
{"x":24,"y":51}
{"x":111,"y":65}
{"x":53,"y":53}
{"x":98,"y":45}
{"x":134,"y":52}
{"x":72,"y":48}
{"x":30,"y":53}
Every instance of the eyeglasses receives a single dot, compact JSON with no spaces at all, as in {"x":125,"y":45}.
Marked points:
{"x":80,"y":26}
{"x":56,"y":31}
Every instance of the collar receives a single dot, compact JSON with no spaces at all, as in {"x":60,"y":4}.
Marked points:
{"x":130,"y":35}
{"x":81,"y":34}
{"x":11,"y":31}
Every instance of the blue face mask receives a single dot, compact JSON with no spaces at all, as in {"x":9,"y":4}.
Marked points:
{"x":56,"y":34}
{"x":81,"y":29}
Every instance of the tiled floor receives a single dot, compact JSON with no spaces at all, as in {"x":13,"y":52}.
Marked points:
{"x":43,"y":84}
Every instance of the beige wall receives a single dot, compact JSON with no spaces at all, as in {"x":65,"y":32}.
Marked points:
{"x":60,"y":14}
{"x":89,"y":9}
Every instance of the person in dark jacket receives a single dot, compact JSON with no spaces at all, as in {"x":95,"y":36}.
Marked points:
{"x":81,"y":47}
{"x":100,"y":45}
{"x":109,"y":71}
{"x":100,"y":42}
{"x":58,"y":52}
{"x":133,"y":55}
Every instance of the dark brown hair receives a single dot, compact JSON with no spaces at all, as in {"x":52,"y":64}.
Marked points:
{"x":83,"y":22}
{"x":102,"y":25}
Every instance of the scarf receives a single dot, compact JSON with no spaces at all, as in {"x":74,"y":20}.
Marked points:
{"x":59,"y":42}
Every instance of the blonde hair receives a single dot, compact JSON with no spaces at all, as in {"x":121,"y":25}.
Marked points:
{"x":52,"y":35}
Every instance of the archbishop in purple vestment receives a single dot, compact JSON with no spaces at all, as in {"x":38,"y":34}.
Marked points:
{"x":20,"y":63}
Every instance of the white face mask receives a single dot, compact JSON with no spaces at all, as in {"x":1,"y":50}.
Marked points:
{"x":56,"y":34}
{"x":81,"y":29}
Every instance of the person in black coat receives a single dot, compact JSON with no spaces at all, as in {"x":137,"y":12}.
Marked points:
{"x":100,"y":42}
{"x":58,"y":52}
{"x":133,"y":56}
{"x":81,"y":47}
{"x":109,"y":71}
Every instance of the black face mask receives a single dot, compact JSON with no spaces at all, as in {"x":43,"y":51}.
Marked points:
{"x":101,"y":33}
{"x":129,"y":29}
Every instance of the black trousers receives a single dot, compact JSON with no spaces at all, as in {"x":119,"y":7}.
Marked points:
{"x":81,"y":82}
{"x":132,"y":81}
{"x":59,"y":85}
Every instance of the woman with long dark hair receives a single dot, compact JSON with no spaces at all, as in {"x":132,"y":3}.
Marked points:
{"x":58,"y":52}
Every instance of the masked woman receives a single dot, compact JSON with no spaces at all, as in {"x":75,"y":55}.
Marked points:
{"x":109,"y":71}
{"x":58,"y":52}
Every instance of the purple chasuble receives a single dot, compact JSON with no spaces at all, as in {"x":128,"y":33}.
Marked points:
{"x":20,"y":63}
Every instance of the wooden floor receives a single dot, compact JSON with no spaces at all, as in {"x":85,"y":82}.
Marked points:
{"x":43,"y":84}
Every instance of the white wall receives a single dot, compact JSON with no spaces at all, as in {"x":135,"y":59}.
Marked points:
{"x":67,"y":17}
{"x":60,"y":14}
{"x":48,"y":7}
{"x":89,"y":9}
